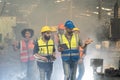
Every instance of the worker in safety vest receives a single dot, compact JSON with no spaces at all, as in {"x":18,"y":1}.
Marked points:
{"x":82,"y":53}
{"x":26,"y":46}
{"x":61,"y":29}
{"x":44,"y":52}
{"x":57,"y":32}
{"x":54,"y":34}
{"x":69,"y":44}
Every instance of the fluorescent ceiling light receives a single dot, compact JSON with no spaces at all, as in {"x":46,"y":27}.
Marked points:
{"x":109,"y":14}
{"x":58,"y":1}
{"x":95,"y":12}
{"x":106,"y":9}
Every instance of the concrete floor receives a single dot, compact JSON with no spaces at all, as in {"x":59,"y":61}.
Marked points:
{"x":10,"y":66}
{"x":98,"y":77}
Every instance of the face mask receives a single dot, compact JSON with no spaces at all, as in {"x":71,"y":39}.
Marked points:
{"x":61,"y":31}
{"x":46,"y":37}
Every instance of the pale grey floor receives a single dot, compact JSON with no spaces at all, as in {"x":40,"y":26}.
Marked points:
{"x":10,"y":65}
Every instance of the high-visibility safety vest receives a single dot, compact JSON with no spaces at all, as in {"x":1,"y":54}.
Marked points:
{"x":72,"y":53}
{"x":45,"y":48}
{"x":26,"y":50}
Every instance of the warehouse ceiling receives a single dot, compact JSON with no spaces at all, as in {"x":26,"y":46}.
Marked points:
{"x":45,"y":10}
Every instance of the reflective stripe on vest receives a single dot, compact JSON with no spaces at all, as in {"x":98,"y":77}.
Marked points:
{"x":73,"y":54}
{"x":26,"y":52}
{"x":45,"y":48}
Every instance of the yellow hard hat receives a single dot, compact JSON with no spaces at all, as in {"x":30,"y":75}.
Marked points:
{"x":53,"y":28}
{"x":76,"y":29}
{"x":45,"y":28}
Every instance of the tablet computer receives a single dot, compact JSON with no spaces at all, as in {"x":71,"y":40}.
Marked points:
{"x":63,"y":46}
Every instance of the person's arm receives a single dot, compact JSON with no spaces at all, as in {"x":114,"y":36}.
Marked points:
{"x":54,"y":53}
{"x":60,"y":49}
{"x":82,"y":50}
{"x":82,"y":54}
{"x":36,"y":48}
{"x":16,"y":45}
{"x":54,"y":50}
{"x":88,"y":41}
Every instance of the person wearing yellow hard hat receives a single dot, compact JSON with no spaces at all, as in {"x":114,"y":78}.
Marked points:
{"x":44,"y":52}
{"x":82,"y":54}
{"x":53,"y":28}
{"x":81,"y":68}
{"x":76,"y":30}
{"x":54,"y":33}
{"x":45,"y":29}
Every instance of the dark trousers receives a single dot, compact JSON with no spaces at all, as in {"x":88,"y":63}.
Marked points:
{"x":45,"y":69}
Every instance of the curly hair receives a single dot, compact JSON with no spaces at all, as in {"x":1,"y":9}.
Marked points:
{"x":29,"y":30}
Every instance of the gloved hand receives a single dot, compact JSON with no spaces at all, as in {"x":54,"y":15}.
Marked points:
{"x":53,"y":58}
